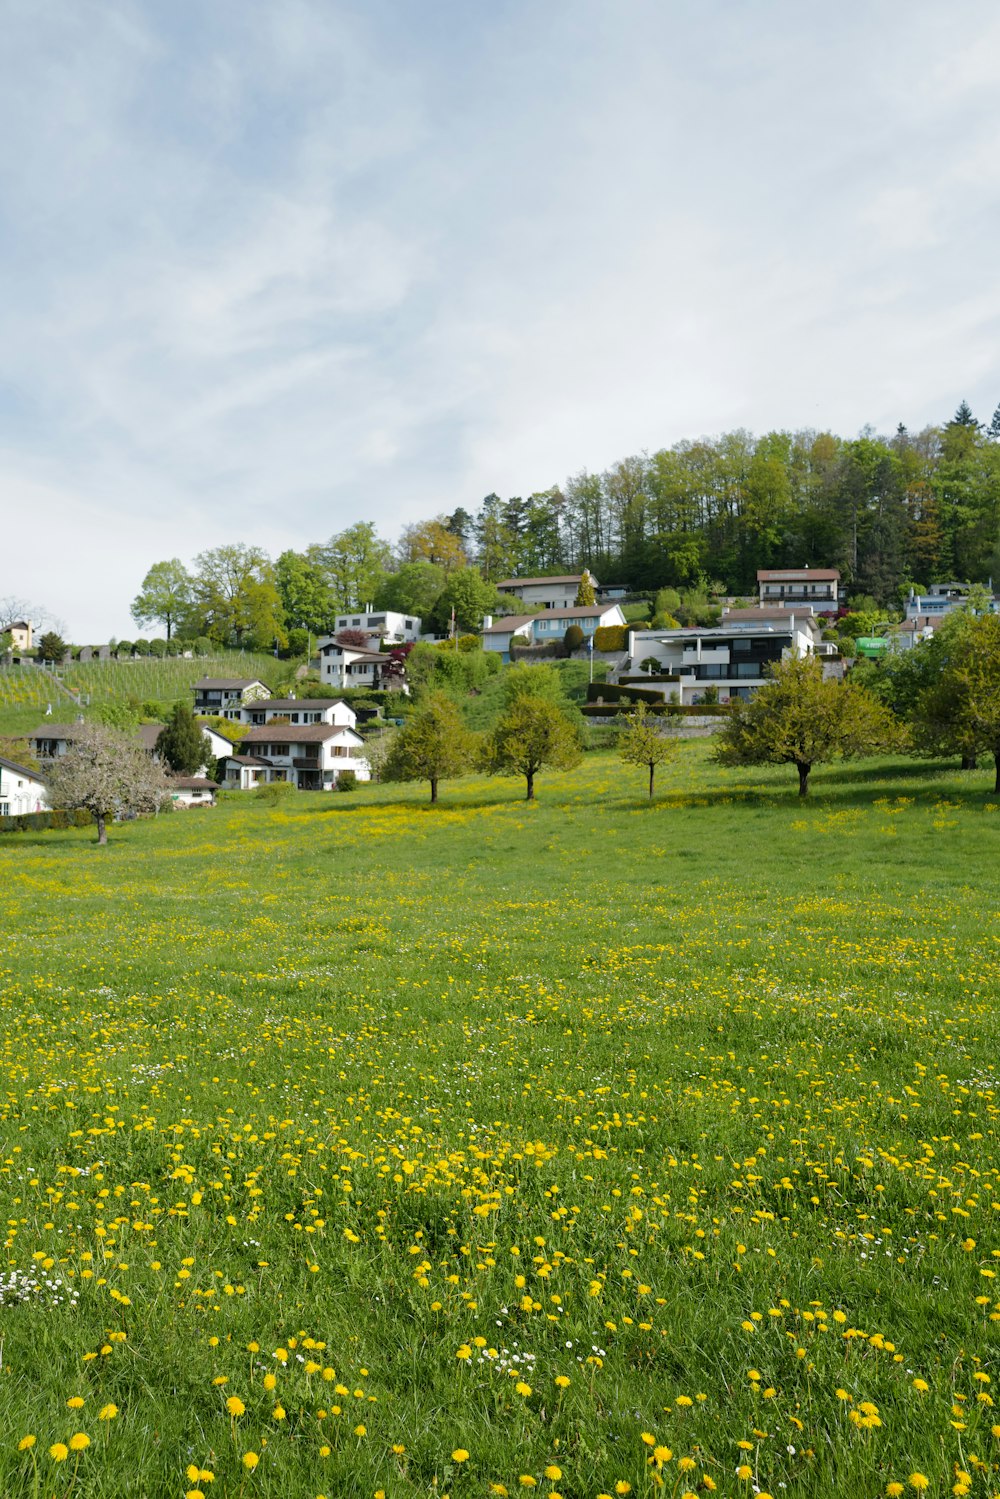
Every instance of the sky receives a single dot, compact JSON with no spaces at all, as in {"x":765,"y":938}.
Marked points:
{"x":269,"y":267}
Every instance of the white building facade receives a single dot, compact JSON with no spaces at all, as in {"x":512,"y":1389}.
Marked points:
{"x":21,"y":790}
{"x":732,"y":657}
{"x":385,"y":624}
{"x":310,"y":756}
{"x":557,"y":592}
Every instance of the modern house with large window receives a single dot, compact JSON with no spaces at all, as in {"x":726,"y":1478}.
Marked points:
{"x":731,"y":657}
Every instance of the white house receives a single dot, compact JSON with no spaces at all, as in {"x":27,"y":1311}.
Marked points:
{"x":557,"y":592}
{"x":300,"y":710}
{"x":21,"y":790}
{"x":384,"y":624}
{"x":730,"y":657}
{"x":192,"y":791}
{"x":546,"y":625}
{"x":220,"y":745}
{"x":21,"y":636}
{"x":223,"y":697}
{"x":343,"y":666}
{"x":310,"y":756}
{"x":816,"y":588}
{"x":244,"y":772}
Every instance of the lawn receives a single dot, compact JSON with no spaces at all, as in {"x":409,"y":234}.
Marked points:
{"x":355,"y":1146}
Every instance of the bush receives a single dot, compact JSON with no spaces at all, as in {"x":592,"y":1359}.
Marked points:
{"x":202,"y":646}
{"x":57,"y":821}
{"x":158,"y":648}
{"x":610,"y":638}
{"x":573,"y":639}
{"x":273,"y":792}
{"x":142,"y":647}
{"x":124,"y":648}
{"x":347,"y":781}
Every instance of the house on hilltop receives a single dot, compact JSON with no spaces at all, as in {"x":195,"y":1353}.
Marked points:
{"x":815,"y":588}
{"x":545,"y":625}
{"x":731,"y":657}
{"x":556,"y":592}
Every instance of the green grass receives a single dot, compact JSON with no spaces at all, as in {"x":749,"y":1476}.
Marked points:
{"x":649,"y":1098}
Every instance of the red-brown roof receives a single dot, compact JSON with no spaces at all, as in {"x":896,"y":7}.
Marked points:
{"x":209,"y":684}
{"x":290,"y":733}
{"x":798,"y":575}
{"x":535,"y":582}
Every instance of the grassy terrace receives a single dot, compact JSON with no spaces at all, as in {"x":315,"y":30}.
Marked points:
{"x":621,"y":1148}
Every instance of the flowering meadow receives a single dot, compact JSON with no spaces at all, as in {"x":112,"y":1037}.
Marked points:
{"x":355,"y":1147}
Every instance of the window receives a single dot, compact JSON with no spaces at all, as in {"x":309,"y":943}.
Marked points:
{"x":4,"y":809}
{"x":741,"y":645}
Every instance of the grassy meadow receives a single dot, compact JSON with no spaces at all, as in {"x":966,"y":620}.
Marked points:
{"x":355,"y":1147}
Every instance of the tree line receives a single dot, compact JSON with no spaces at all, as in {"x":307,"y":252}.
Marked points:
{"x":890,"y":512}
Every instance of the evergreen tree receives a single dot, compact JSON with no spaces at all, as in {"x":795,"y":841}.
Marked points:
{"x":994,"y":427}
{"x":963,"y":417}
{"x":585,"y":595}
{"x":181,"y":743}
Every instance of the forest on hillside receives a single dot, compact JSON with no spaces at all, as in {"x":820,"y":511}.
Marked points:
{"x":702,"y":516}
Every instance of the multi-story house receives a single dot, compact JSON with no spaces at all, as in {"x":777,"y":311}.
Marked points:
{"x":557,"y":592}
{"x":731,"y":657}
{"x":383,"y":624}
{"x":546,"y":625}
{"x":815,"y":588}
{"x":310,"y":756}
{"x":225,"y":697}
{"x":299,"y":710}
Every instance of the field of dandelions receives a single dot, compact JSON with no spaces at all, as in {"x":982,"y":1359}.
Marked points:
{"x":355,"y":1147}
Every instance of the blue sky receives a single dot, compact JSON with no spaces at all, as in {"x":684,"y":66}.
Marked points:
{"x":269,"y":268}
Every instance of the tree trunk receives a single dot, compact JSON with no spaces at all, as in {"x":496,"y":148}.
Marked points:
{"x":652,"y":770}
{"x":434,"y":789}
{"x":530,"y":778}
{"x":968,"y":762}
{"x":102,"y":828}
{"x":803,"y":771}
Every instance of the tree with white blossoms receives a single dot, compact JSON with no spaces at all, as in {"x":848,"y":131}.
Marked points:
{"x":107,"y":774}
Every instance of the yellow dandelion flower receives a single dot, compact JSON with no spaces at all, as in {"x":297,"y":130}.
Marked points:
{"x":107,"y":1412}
{"x":25,"y":1443}
{"x":919,"y":1481}
{"x":235,"y":1406}
{"x":250,"y":1460}
{"x":78,"y":1441}
{"x":460,"y":1455}
{"x":553,"y":1473}
{"x":562,"y":1382}
{"x":75,"y":1402}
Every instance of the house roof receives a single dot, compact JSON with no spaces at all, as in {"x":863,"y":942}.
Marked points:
{"x":534,"y":582}
{"x":769,"y":612}
{"x":577,"y":611}
{"x":358,"y":652}
{"x":55,"y":731}
{"x":33,"y":775}
{"x":798,"y":575}
{"x":193,"y":783}
{"x":243,"y":760}
{"x":294,"y":704}
{"x":511,"y":622}
{"x":148,"y":734}
{"x":290,"y":733}
{"x":209,"y":684}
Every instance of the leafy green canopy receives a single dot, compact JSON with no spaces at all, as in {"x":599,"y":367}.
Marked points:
{"x":801,"y":718}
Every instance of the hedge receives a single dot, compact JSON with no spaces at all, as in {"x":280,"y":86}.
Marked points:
{"x":611,"y":638}
{"x":613,"y":693}
{"x":23,"y":822}
{"x":665,"y":710}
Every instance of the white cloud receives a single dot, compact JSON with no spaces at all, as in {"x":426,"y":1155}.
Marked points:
{"x":271,"y":269}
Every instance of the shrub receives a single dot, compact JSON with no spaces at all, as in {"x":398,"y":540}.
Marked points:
{"x":273,"y":792}
{"x":347,"y":781}
{"x":612,"y":693}
{"x":158,"y":648}
{"x":610,"y":638}
{"x":124,"y":648}
{"x":573,"y":639}
{"x":142,"y":647}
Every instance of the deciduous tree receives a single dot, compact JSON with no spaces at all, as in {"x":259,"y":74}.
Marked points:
{"x":533,"y":732}
{"x":799,"y":718}
{"x":236,"y":596}
{"x":433,"y":745}
{"x":960,"y":713}
{"x":107,"y":774}
{"x":165,"y":595}
{"x":645,"y":742}
{"x":585,"y":595}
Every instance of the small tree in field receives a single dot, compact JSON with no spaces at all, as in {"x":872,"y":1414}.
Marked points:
{"x":533,"y":732}
{"x":106,"y":774}
{"x":51,"y":647}
{"x":182,"y":744}
{"x":434,"y":745}
{"x":645,"y":743}
{"x":798,"y":718}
